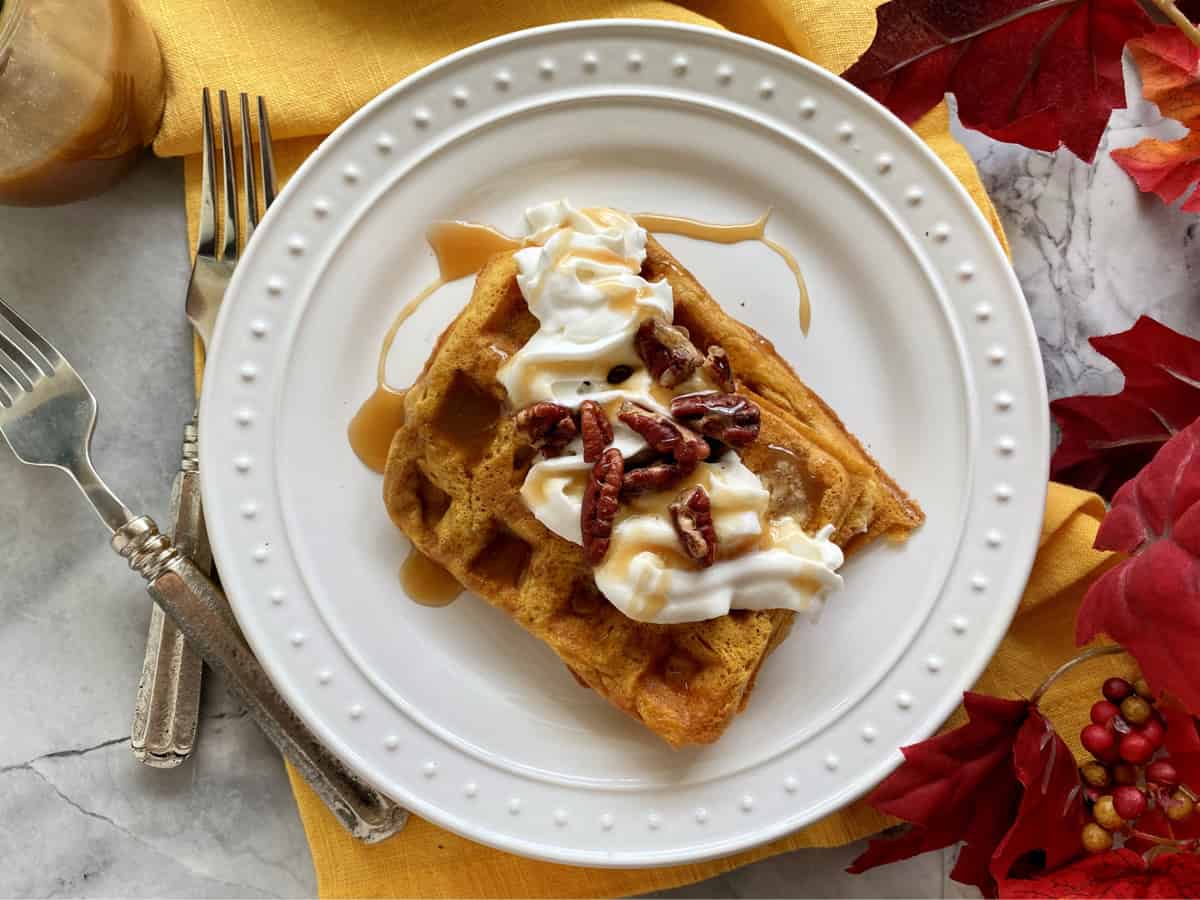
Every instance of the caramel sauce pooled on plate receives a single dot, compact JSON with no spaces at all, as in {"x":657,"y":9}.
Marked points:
{"x":426,"y":582}
{"x":373,"y":426}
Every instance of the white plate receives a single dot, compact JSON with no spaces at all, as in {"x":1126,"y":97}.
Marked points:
{"x":920,"y":340}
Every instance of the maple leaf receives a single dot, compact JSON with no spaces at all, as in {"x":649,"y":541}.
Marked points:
{"x":1051,"y":815}
{"x":1169,"y":64}
{"x":1117,"y":873}
{"x":958,"y":786}
{"x":1004,"y":784}
{"x":1108,"y":439}
{"x":1165,"y":168}
{"x":1150,"y":603}
{"x":1036,"y":72}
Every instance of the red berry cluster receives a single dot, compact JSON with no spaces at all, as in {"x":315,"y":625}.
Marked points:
{"x":1124,"y":780}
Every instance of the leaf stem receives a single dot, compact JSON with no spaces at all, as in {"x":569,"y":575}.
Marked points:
{"x":1162,"y":841}
{"x":1091,"y":653}
{"x":1179,"y":20}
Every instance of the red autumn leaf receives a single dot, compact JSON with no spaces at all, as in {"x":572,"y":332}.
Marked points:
{"x":1117,"y":873}
{"x":1182,"y":732}
{"x":1106,"y":440}
{"x":1150,"y":603}
{"x":1004,"y":784}
{"x":958,"y":786}
{"x":1029,"y":71}
{"x":1166,"y":168}
{"x":1169,"y":64}
{"x":1051,"y":815}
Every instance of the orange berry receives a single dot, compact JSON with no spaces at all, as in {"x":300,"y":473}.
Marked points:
{"x":1095,"y":774}
{"x":1106,"y":814}
{"x":1096,"y":839}
{"x":1135,"y":710}
{"x":1178,"y":807}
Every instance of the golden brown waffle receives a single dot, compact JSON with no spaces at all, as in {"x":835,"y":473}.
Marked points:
{"x":456,"y":467}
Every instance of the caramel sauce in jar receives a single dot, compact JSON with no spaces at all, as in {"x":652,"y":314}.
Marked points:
{"x":81,"y":93}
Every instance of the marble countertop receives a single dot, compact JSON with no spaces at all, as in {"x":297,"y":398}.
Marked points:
{"x":79,"y":817}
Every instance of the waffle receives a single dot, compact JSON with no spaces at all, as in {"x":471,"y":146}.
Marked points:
{"x":456,"y":466}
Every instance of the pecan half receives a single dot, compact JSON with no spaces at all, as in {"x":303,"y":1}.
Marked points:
{"x":667,"y":352}
{"x":596,"y":429}
{"x":665,"y":434}
{"x":651,"y":479}
{"x":727,"y":417}
{"x":600,"y":502}
{"x":716,"y":364}
{"x":691,"y":514}
{"x":550,"y":426}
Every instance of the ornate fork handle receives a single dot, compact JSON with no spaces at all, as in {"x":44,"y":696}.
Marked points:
{"x":203,"y":614}
{"x":167,"y":711}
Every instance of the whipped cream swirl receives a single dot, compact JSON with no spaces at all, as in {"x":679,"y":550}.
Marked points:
{"x":580,"y":278}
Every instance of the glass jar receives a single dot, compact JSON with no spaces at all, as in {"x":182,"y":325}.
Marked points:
{"x":81,"y":93}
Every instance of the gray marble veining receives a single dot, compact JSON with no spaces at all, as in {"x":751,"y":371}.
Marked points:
{"x":79,"y":817}
{"x":1091,"y":251}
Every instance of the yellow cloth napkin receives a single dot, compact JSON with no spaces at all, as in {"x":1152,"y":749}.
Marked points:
{"x":318,"y":63}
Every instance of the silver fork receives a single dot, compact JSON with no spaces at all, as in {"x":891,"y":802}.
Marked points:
{"x":166,"y":711}
{"x":47,"y":416}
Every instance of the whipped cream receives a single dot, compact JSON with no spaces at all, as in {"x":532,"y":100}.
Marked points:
{"x":580,"y":278}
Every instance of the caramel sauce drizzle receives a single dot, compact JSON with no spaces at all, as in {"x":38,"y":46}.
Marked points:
{"x":462,"y":249}
{"x":732,"y":234}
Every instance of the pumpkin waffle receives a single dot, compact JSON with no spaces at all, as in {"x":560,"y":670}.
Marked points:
{"x":456,"y":467}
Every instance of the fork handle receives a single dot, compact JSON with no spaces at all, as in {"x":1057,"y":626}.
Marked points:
{"x":201,"y":611}
{"x":166,"y":712}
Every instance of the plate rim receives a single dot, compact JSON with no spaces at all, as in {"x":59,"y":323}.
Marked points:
{"x":1020,"y":555}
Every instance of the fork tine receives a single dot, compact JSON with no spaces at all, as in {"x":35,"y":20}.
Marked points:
{"x":31,"y":334}
{"x":206,"y":238}
{"x":249,"y":190}
{"x":29,"y":371}
{"x":230,"y":234}
{"x":267,"y":154}
{"x":10,"y":390}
